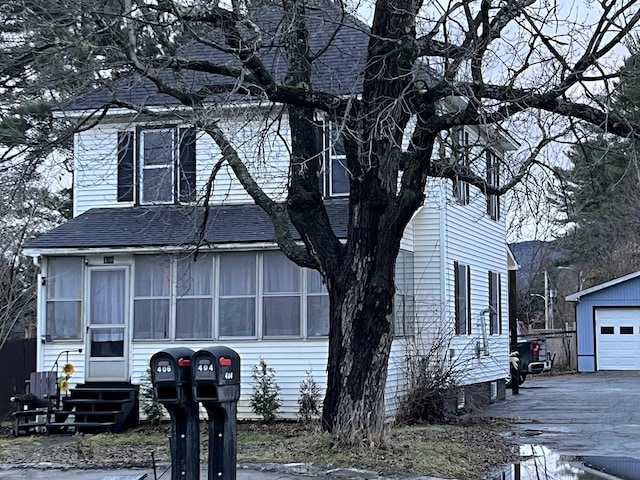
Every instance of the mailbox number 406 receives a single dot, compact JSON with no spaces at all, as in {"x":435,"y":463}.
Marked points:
{"x":164,"y":369}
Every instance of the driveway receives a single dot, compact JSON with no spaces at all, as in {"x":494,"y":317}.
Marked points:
{"x":582,"y":414}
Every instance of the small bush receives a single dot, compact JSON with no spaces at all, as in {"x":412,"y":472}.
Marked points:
{"x":153,"y":410}
{"x":265,"y":399}
{"x":309,"y":399}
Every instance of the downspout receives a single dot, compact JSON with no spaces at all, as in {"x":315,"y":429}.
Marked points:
{"x":40,"y":327}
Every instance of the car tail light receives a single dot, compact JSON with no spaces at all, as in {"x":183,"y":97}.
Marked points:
{"x":536,"y":348}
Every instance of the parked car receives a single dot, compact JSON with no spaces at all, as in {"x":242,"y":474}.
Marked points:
{"x":532,"y":357}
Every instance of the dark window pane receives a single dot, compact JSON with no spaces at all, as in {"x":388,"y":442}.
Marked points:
{"x":193,"y":318}
{"x":157,"y":147}
{"x":281,"y":316}
{"x":318,"y":316}
{"x":606,"y":330}
{"x":626,"y":330}
{"x":151,"y":319}
{"x":237,"y":317}
{"x":63,"y":320}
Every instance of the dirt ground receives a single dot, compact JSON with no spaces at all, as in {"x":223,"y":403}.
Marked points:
{"x":467,"y":450}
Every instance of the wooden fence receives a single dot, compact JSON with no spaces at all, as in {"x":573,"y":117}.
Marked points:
{"x":17,"y":361}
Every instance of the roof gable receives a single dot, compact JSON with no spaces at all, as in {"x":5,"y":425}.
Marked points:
{"x":575,"y":297}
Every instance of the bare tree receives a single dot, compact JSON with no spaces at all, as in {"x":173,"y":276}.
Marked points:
{"x":421,"y":70}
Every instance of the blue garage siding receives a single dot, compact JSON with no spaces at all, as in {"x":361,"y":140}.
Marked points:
{"x":625,"y":294}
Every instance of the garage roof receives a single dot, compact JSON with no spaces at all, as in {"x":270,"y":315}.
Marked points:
{"x":575,"y":297}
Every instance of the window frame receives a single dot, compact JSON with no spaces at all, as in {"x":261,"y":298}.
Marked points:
{"x":170,"y":298}
{"x":460,"y":148}
{"x":404,"y":295}
{"x":493,"y":180}
{"x":171,"y":165}
{"x":462,"y":291}
{"x":52,"y":300}
{"x":495,"y":301}
{"x":332,"y":140}
{"x":257,"y":300}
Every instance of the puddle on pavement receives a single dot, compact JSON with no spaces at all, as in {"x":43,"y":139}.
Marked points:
{"x":541,"y":463}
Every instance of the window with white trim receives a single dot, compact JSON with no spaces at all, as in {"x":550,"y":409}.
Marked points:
{"x":157,"y":165}
{"x":227,"y":295}
{"x":335,"y":175}
{"x":281,"y":296}
{"x":238,"y":290}
{"x":152,"y":295}
{"x":495,"y":317}
{"x":404,"y":300}
{"x":461,"y":159}
{"x":462,"y":287}
{"x":194,"y":296}
{"x":64,"y":297}
{"x":157,"y":157}
{"x":317,"y":300}
{"x":493,"y":179}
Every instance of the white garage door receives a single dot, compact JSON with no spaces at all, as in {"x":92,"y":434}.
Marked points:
{"x":618,"y":338}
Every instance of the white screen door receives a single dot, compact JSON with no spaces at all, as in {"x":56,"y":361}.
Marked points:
{"x":107,"y":324}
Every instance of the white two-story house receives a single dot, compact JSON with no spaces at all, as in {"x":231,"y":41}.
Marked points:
{"x":124,"y":279}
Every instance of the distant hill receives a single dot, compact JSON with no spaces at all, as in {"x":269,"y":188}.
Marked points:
{"x":533,"y":257}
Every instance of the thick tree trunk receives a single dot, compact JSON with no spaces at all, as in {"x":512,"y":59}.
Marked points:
{"x":361,"y":326}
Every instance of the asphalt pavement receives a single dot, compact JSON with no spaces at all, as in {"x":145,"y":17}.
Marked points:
{"x":582,"y":414}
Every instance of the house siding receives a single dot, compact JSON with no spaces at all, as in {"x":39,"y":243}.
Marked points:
{"x":291,"y":360}
{"x":469,"y":233}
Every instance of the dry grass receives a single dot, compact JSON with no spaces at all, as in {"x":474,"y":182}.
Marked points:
{"x":465,"y":451}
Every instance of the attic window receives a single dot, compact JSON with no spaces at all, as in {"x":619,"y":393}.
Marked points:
{"x":157,"y":167}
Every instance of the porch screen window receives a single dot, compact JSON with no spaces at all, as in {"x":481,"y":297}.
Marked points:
{"x":404,"y":297}
{"x":462,"y":281}
{"x":194,"y":303}
{"x":152,"y":293}
{"x":281,"y":297}
{"x":237,"y":315}
{"x":317,"y":305}
{"x":64,"y":297}
{"x":495,"y":323}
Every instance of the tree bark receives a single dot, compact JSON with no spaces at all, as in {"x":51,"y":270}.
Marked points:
{"x":361,"y":333}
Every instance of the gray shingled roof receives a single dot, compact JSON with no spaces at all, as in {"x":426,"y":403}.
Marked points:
{"x":163,"y":226}
{"x":337,"y":70}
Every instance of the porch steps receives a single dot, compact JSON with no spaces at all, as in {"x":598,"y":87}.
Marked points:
{"x":100,"y":407}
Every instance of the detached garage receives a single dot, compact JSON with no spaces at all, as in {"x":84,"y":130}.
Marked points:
{"x":608,"y":325}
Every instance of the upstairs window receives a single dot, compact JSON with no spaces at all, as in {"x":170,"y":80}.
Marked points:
{"x":158,"y":166}
{"x":493,"y":179}
{"x":461,"y":159}
{"x":462,"y":282}
{"x":334,"y":181}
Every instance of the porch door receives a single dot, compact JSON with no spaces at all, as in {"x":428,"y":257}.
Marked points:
{"x":107,"y":342}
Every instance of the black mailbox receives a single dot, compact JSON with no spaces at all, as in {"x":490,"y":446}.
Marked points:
{"x":216,"y":375}
{"x":171,"y":374}
{"x":171,"y":379}
{"x":216,"y":383}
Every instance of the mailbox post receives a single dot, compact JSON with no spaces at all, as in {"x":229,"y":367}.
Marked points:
{"x":171,"y":379}
{"x":216,"y":383}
